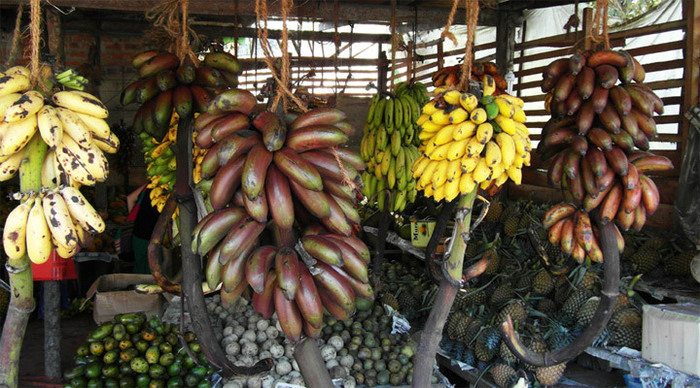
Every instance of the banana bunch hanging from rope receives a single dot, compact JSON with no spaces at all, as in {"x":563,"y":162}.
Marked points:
{"x":72,"y":124}
{"x":449,"y":76}
{"x":389,"y":146}
{"x":468,"y":141}
{"x":161,"y":164}
{"x":166,"y":85}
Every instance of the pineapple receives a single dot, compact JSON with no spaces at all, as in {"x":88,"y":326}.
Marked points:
{"x":554,"y":252}
{"x":627,"y":336}
{"x":510,"y":225}
{"x":494,"y":260}
{"x":390,"y":300}
{"x":550,"y":375}
{"x":470,"y":332}
{"x":495,"y":211}
{"x":407,"y":302}
{"x":574,"y":302}
{"x":516,"y":309}
{"x":562,"y":289}
{"x":645,"y":259}
{"x":537,"y":345}
{"x":559,"y":338}
{"x":524,"y":222}
{"x":628,"y":316}
{"x":621,"y":302}
{"x":487,"y":344}
{"x":503,"y":375}
{"x":543,"y":283}
{"x":590,"y":280}
{"x":474,"y":296}
{"x":584,"y":316}
{"x":505,"y":353}
{"x":524,"y":283}
{"x":679,"y":264}
{"x":454,"y":323}
{"x":546,"y":306}
{"x":501,"y":295}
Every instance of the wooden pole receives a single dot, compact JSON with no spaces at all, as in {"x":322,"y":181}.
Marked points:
{"x":505,"y":41}
{"x":691,"y":71}
{"x":311,"y":365}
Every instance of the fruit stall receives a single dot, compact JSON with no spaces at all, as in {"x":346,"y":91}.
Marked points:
{"x":430,"y":193}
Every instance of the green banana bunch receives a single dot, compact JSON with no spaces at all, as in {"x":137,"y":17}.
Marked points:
{"x":389,"y":146}
{"x":71,"y":79}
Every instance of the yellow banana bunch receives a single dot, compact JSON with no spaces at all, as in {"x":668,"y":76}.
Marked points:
{"x":389,"y":146}
{"x":161,"y":164}
{"x":468,"y":141}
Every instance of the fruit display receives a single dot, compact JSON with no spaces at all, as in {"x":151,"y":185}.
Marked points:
{"x":133,"y":350}
{"x":166,"y":86}
{"x":296,"y":175}
{"x":389,"y":146}
{"x":72,"y":123}
{"x":598,"y":141}
{"x":468,"y":141}
{"x":161,"y":163}
{"x":449,"y":76}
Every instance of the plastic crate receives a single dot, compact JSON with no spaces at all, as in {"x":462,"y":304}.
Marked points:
{"x":55,"y":268}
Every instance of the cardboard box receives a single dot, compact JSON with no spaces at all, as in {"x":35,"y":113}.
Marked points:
{"x":112,"y":297}
{"x":421,"y":232}
{"x":671,"y":335}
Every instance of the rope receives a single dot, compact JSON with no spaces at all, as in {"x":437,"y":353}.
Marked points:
{"x":16,"y":36}
{"x":172,"y":16}
{"x":472,"y":18}
{"x":600,"y":24}
{"x":450,"y":19}
{"x":35,"y":35}
{"x":261,"y":15}
{"x":394,"y":43}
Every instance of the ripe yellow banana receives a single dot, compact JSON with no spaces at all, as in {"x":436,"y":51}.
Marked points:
{"x":474,"y":147}
{"x":82,"y":211}
{"x":440,"y":174}
{"x":74,"y":127}
{"x":14,"y":232}
{"x":38,"y":234}
{"x":454,"y":170}
{"x":452,"y":97}
{"x":444,"y":135}
{"x":463,"y":130}
{"x":80,"y":102}
{"x":457,"y":149}
{"x":73,"y":167}
{"x":13,"y":83}
{"x":110,"y":144}
{"x":49,"y":174}
{"x":440,"y":117}
{"x":440,"y":152}
{"x":98,"y":127}
{"x":515,"y":174}
{"x":492,"y":154}
{"x":91,"y":157}
{"x":507,"y":145}
{"x":22,"y":70}
{"x":505,"y":108}
{"x":16,"y":135}
{"x":458,"y":115}
{"x":428,"y":173}
{"x":419,"y":166}
{"x":50,"y":125}
{"x":482,"y":171}
{"x":484,"y":132}
{"x":478,"y":116}
{"x":506,"y":124}
{"x":451,"y":190}
{"x":466,"y":183}
{"x":6,"y":101}
{"x":64,"y":251}
{"x":25,"y":106}
{"x":59,"y":220}
{"x":429,"y":108}
{"x":9,"y":167}
{"x":468,"y":164}
{"x":439,"y":193}
{"x":468,"y":101}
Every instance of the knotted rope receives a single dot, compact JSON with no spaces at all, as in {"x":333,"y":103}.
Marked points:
{"x":600,"y":24}
{"x":172,"y":17}
{"x":35,"y":36}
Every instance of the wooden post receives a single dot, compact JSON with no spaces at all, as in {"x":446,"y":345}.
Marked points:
{"x":383,"y":70}
{"x":441,"y":54}
{"x":691,"y":71}
{"x":505,"y":41}
{"x":523,"y":39}
{"x":313,"y":368}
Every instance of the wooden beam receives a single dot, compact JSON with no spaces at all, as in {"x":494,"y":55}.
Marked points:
{"x":691,"y":72}
{"x":505,"y":41}
{"x":431,"y":16}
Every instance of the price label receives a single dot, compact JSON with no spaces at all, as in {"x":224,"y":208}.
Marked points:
{"x":399,"y":325}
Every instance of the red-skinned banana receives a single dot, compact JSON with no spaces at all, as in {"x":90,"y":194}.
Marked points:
{"x":339,"y":190}
{"x":564,"y":87}
{"x":553,"y":72}
{"x":297,"y":169}
{"x":331,"y":306}
{"x":158,"y":63}
{"x":318,"y":116}
{"x":233,"y":273}
{"x":577,"y":63}
{"x":290,"y":318}
{"x":592,"y":201}
{"x":600,"y":138}
{"x":210,"y":163}
{"x":323,"y":249}
{"x":336,"y":220}
{"x":606,"y":181}
{"x":652,"y":163}
{"x":567,"y":236}
{"x":645,"y":123}
{"x":315,"y":137}
{"x":241,"y":237}
{"x":640,"y":218}
{"x":619,"y":238}
{"x":213,"y":270}
{"x":228,"y":125}
{"x":308,"y":299}
{"x":263,"y":302}
{"x":611,"y":204}
{"x":572,"y":103}
{"x":182,"y":101}
{"x":623,"y":140}
{"x":621,"y":99}
{"x":640,"y":100}
{"x":557,"y":213}
{"x":359,"y":246}
{"x":583,"y":231}
{"x":163,"y":109}
{"x":572,"y":164}
{"x":215,"y":229}
{"x":595,"y":253}
{"x":338,"y":287}
{"x":352,"y":262}
{"x":585,"y":117}
{"x":610,"y":119}
{"x":627,"y":71}
{"x":143,"y":57}
{"x":257,"y":207}
{"x":255,"y":171}
{"x":273,"y":130}
{"x":258,"y":266}
{"x":348,"y":209}
{"x":631,"y":180}
{"x":310,"y":331}
{"x":197,"y":229}
{"x":588,"y":179}
{"x":206,"y":118}
{"x":554,"y":232}
{"x":617,"y":160}
{"x":599,"y":98}
{"x":201,"y":98}
{"x":233,"y":100}
{"x":346,"y":155}
{"x":556,"y":170}
{"x":579,"y":145}
{"x":236,"y":145}
{"x":279,"y":198}
{"x":287,"y":268}
{"x":585,"y":82}
{"x":578,"y":254}
{"x":606,"y":75}
{"x":558,"y":136}
{"x":624,"y":220}
{"x":631,"y":199}
{"x":575,"y":187}
{"x":656,"y":101}
{"x":345,"y":127}
{"x":316,"y":202}
{"x":228,"y":298}
{"x":650,"y":194}
{"x":607,"y":57}
{"x":226,"y":182}
{"x":361,"y":289}
{"x":328,"y":166}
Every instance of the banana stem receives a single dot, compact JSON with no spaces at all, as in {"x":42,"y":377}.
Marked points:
{"x":20,"y":274}
{"x":425,"y":356}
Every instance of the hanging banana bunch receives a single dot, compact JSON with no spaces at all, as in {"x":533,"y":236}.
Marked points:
{"x":468,"y":141}
{"x":598,"y":141}
{"x":72,"y":123}
{"x":448,"y":77}
{"x":389,"y":146}
{"x":166,"y":86}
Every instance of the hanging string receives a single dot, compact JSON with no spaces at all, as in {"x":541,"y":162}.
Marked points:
{"x":261,"y":14}
{"x":16,"y":36}
{"x":472,"y":18}
{"x":172,"y":18}
{"x":446,"y":33}
{"x":394,"y":43}
{"x":35,"y":36}
{"x":600,"y":24}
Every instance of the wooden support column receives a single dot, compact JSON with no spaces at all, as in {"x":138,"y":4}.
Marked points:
{"x":505,"y":40}
{"x":383,"y":70}
{"x":54,"y":28}
{"x":691,"y":71}
{"x":441,"y":54}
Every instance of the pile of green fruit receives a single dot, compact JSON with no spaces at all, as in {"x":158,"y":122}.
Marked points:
{"x":133,"y":351}
{"x":389,"y":145}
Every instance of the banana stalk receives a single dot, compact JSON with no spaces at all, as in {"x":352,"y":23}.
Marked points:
{"x":20,"y":274}
{"x":452,"y":274}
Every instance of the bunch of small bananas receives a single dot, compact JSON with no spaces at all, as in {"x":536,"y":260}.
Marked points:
{"x":388,"y":146}
{"x":161,"y":164}
{"x":71,"y":79}
{"x":468,"y":141}
{"x":72,"y":123}
{"x":448,"y":77}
